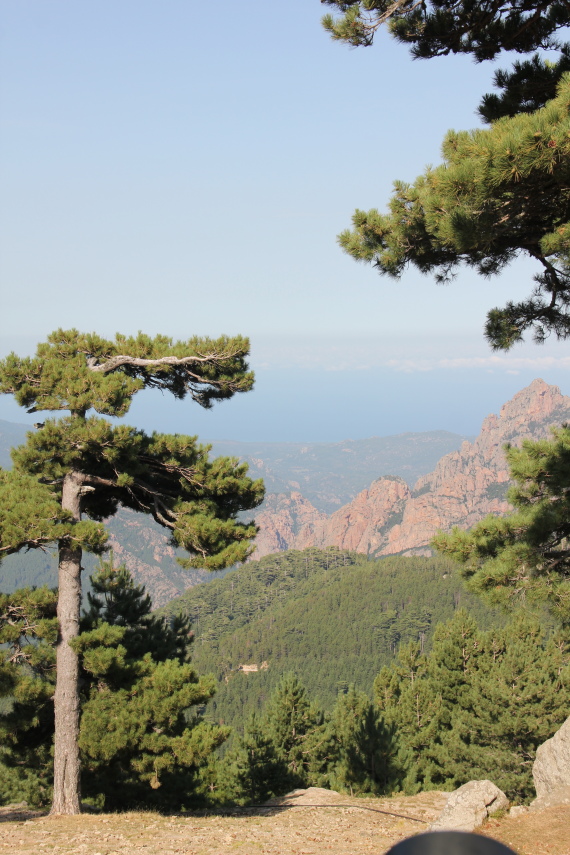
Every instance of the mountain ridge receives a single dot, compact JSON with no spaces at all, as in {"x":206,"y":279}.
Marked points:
{"x":145,"y":547}
{"x":387,"y":515}
{"x":388,"y":518}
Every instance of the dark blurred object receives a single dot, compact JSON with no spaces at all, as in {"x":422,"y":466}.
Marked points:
{"x":449,"y":843}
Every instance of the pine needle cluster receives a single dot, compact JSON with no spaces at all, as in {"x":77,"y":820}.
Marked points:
{"x":437,"y":27}
{"x":499,"y":193}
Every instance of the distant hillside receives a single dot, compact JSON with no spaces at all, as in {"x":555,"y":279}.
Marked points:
{"x":332,"y":617}
{"x":390,"y":518}
{"x":332,"y":473}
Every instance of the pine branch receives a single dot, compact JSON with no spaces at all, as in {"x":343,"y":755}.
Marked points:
{"x":138,"y":362}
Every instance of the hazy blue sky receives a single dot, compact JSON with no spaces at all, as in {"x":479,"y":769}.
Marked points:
{"x":184,"y":168}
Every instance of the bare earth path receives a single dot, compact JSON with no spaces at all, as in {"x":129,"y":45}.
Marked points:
{"x":341,"y":826}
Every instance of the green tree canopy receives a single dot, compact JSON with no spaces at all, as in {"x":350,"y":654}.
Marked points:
{"x":142,"y":736}
{"x":252,"y":771}
{"x":297,"y":729}
{"x":476,"y":706}
{"x":28,"y":634}
{"x":436,"y":28}
{"x":525,"y":555}
{"x":81,"y":465}
{"x":500,"y":193}
{"x":363,"y":747}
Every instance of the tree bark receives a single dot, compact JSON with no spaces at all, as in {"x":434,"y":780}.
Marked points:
{"x":67,"y":782}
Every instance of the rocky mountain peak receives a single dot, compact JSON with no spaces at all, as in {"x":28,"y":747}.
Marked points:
{"x":536,"y":401}
{"x":388,"y":518}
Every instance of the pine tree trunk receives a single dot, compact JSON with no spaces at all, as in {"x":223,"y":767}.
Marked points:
{"x":67,"y":783}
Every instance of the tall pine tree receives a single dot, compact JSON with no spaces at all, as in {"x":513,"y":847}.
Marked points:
{"x":298,"y":730}
{"x":362,"y":758}
{"x":142,"y":737}
{"x":80,"y":466}
{"x":253,"y":771}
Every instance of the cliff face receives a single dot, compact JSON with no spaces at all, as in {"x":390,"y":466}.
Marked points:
{"x":364,"y":524}
{"x":466,"y":485}
{"x":286,"y":518}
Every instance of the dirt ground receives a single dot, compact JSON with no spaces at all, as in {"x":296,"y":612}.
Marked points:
{"x":311,"y":822}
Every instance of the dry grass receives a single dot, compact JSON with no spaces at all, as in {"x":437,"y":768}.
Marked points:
{"x":339,"y":826}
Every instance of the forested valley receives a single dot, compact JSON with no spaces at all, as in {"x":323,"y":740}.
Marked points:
{"x":333,"y":618}
{"x":320,"y":668}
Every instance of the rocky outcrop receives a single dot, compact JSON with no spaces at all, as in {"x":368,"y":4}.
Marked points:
{"x":551,"y":770}
{"x":292,"y":522}
{"x":365,"y":523}
{"x":311,"y":796}
{"x":468,"y":484}
{"x":286,"y":520}
{"x":556,"y":797}
{"x":469,"y":806}
{"x":388,"y":518}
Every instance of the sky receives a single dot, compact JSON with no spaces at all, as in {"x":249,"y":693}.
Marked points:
{"x":184,"y":168}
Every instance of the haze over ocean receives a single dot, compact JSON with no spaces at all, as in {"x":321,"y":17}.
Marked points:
{"x":315,"y":396}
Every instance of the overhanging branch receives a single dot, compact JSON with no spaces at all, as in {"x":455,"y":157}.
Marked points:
{"x":138,"y":362}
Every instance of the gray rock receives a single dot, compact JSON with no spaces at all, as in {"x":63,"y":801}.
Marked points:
{"x":551,"y":768}
{"x":557,"y":796}
{"x":469,"y":806}
{"x":518,"y":810}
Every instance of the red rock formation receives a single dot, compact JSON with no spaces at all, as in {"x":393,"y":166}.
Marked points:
{"x":388,"y":519}
{"x":470,"y":483}
{"x":362,"y":525}
{"x":282,"y":520}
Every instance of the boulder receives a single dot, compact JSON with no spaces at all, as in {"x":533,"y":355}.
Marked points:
{"x":518,"y":810}
{"x":469,"y":806}
{"x":308,"y":797}
{"x":551,"y":768}
{"x":556,"y":796}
